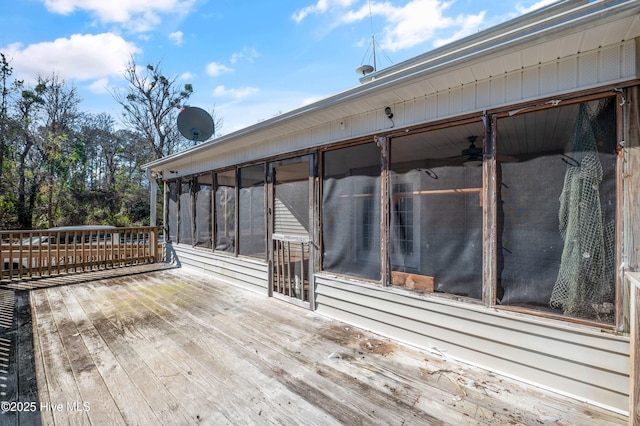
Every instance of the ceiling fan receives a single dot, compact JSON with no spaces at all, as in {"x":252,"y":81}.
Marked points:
{"x":472,"y":156}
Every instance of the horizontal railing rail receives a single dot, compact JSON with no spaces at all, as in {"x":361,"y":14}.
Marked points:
{"x":33,"y":253}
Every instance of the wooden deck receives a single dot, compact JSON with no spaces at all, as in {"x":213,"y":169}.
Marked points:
{"x":168,"y":347}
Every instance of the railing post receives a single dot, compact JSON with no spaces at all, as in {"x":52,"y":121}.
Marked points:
{"x":633,"y":279}
{"x":153,"y":244}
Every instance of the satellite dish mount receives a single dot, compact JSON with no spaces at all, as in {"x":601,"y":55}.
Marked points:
{"x":365,"y":69}
{"x":368,"y":69}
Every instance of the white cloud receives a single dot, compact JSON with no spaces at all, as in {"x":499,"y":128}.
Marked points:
{"x":249,"y":54}
{"x":240,"y":113}
{"x":236,"y":94}
{"x":81,"y":57}
{"x":412,"y":23}
{"x":521,"y":10}
{"x":467,"y":25}
{"x":100,"y":86}
{"x":407,"y":25}
{"x":215,"y":69}
{"x":518,"y":9}
{"x":177,"y":37}
{"x":139,"y":15}
{"x":187,"y":76}
{"x":322,"y":6}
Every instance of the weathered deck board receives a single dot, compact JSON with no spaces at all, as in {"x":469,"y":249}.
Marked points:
{"x":90,"y":381}
{"x":165,"y":357}
{"x":60,"y":386}
{"x":182,"y":331}
{"x":111,"y":371}
{"x":122,"y":343}
{"x":166,"y":347}
{"x":285,"y":349}
{"x":276,"y":366}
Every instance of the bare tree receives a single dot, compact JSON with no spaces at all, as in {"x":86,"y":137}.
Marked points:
{"x":217,"y":122}
{"x":28,"y":107}
{"x":58,"y":147}
{"x":5,"y":73}
{"x":151,"y":106}
{"x":102,"y":145}
{"x":7,"y":125}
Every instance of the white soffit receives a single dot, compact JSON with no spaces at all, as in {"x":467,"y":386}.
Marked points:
{"x":518,"y":44}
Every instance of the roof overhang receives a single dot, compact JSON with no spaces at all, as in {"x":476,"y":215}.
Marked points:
{"x":563,"y":29}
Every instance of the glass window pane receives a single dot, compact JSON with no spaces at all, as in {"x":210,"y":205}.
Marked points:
{"x":556,"y":227}
{"x":436,"y":212}
{"x":252,"y":212}
{"x":204,"y":222}
{"x":351,"y":211}
{"x":226,"y":211}
{"x":186,"y":214}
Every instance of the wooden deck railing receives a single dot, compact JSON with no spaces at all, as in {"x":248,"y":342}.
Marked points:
{"x":26,"y":254}
{"x":290,"y":263}
{"x":633,"y":279}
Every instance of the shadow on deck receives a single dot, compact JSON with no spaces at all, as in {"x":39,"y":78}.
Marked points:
{"x":145,"y":346}
{"x":19,"y":403}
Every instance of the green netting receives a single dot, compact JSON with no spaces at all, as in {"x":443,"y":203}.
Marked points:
{"x":584,"y":286}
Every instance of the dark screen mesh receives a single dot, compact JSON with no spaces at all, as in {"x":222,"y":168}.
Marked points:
{"x":251,"y":211}
{"x":203,"y":219}
{"x":351,"y":211}
{"x":226,"y":211}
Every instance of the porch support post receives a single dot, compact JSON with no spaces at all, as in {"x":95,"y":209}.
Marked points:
{"x":153,"y":189}
{"x":633,"y":279}
{"x":385,"y":221}
{"x":489,"y":212}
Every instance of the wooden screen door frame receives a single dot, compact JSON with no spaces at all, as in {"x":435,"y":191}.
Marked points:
{"x":280,"y":244}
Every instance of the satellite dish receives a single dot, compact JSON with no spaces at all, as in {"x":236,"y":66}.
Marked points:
{"x":195,"y":124}
{"x":364,"y":69}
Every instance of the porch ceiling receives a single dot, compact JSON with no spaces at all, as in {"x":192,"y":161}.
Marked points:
{"x":519,"y":135}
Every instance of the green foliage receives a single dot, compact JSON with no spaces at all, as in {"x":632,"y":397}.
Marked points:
{"x":60,"y":166}
{"x":7,"y":209}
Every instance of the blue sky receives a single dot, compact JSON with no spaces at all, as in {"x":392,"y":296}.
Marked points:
{"x":248,"y":60}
